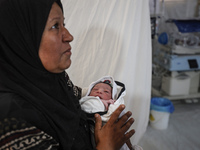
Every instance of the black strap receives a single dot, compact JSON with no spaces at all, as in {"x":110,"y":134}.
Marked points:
{"x":123,"y":88}
{"x":91,"y":115}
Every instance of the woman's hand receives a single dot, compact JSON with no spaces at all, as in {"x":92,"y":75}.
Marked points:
{"x":114,"y":133}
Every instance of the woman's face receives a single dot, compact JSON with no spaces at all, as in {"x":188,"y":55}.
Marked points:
{"x":55,"y":50}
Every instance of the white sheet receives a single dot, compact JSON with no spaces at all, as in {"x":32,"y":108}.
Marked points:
{"x":112,"y":37}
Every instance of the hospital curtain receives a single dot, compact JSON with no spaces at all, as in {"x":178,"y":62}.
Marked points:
{"x":113,"y":37}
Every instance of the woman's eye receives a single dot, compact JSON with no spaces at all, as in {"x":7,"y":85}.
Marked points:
{"x":56,"y":26}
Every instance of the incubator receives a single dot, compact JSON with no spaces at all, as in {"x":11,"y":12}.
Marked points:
{"x":178,"y":51}
{"x":181,"y":34}
{"x":164,"y":57}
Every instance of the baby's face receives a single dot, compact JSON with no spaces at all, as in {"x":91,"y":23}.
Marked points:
{"x":102,"y":90}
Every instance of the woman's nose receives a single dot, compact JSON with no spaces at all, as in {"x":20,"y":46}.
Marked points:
{"x":67,"y":37}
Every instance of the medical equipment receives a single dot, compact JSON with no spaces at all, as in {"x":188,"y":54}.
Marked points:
{"x":181,"y":33}
{"x":179,"y":48}
{"x":178,"y":52}
{"x":181,"y":83}
{"x":174,"y":62}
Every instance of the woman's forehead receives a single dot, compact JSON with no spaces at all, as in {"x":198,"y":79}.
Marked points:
{"x":55,"y":13}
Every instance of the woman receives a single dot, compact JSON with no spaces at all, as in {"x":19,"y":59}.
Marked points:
{"x":36,"y":95}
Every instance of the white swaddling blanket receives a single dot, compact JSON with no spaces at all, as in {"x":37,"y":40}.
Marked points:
{"x":91,"y":104}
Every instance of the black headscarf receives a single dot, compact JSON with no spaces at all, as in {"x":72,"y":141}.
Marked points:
{"x":22,"y":73}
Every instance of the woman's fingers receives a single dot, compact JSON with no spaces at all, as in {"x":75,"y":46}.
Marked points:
{"x":128,"y":135}
{"x":114,"y":133}
{"x":114,"y":117}
{"x":124,"y":129}
{"x":98,"y":122}
{"x":124,"y":122}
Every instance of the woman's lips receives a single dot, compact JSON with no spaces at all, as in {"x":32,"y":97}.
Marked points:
{"x":68,"y":51}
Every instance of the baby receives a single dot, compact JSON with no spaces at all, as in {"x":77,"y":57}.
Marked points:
{"x":104,"y":91}
{"x":104,"y":96}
